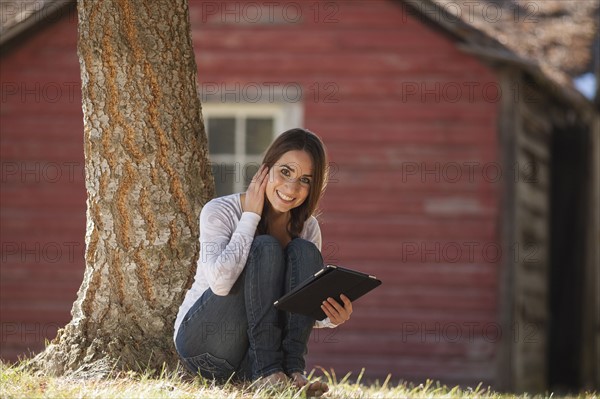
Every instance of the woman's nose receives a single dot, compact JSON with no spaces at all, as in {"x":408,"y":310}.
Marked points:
{"x":293,"y":184}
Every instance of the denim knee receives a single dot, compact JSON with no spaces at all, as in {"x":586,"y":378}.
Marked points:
{"x":266,"y":252}
{"x":302,"y":245}
{"x":266,"y":240}
{"x":305,"y":252}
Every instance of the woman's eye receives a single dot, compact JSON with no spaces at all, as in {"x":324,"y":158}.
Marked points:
{"x":305,"y":180}
{"x":285,"y":172}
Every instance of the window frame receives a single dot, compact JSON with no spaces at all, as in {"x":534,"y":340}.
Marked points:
{"x":285,"y":116}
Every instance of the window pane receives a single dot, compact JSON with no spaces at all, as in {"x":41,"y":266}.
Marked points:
{"x":259,"y":133}
{"x":224,"y":178}
{"x":221,"y":135}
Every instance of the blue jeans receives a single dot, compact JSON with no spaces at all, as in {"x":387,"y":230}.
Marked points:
{"x":242,"y":332}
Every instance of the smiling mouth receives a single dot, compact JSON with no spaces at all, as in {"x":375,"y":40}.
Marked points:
{"x":284,"y":197}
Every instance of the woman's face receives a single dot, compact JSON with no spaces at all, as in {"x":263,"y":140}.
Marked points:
{"x":289,"y":181}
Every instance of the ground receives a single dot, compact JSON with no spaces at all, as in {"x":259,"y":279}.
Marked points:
{"x":16,"y":382}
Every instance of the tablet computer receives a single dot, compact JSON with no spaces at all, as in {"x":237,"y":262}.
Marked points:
{"x":331,"y":281}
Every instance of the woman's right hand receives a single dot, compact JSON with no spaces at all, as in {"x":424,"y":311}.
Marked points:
{"x":255,"y":195}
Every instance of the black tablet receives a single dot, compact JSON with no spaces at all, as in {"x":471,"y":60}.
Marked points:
{"x":331,"y":281}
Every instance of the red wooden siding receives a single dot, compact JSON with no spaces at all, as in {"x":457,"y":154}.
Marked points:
{"x":422,"y":234}
{"x":43,"y":193}
{"x":388,"y":111}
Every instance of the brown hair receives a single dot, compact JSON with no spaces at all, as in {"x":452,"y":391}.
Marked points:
{"x":303,"y":140}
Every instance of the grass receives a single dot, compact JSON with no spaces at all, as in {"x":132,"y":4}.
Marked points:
{"x":16,"y":382}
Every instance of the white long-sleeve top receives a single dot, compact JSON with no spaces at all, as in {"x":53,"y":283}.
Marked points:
{"x":226,"y":235}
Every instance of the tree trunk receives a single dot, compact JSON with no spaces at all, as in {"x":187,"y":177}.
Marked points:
{"x":147,"y":176}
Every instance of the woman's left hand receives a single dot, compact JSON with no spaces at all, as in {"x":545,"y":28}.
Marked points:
{"x":336,"y":313}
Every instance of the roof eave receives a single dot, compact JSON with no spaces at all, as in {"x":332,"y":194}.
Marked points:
{"x":471,"y":39}
{"x":45,"y":14}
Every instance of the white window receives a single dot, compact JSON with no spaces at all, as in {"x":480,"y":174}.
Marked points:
{"x":239,"y":134}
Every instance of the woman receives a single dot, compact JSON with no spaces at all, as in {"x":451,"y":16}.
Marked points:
{"x":255,"y":247}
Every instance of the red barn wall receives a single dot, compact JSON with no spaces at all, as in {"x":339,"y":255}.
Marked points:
{"x":42,"y":224}
{"x":410,"y":126}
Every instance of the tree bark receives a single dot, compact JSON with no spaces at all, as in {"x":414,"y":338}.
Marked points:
{"x":147,"y":176}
